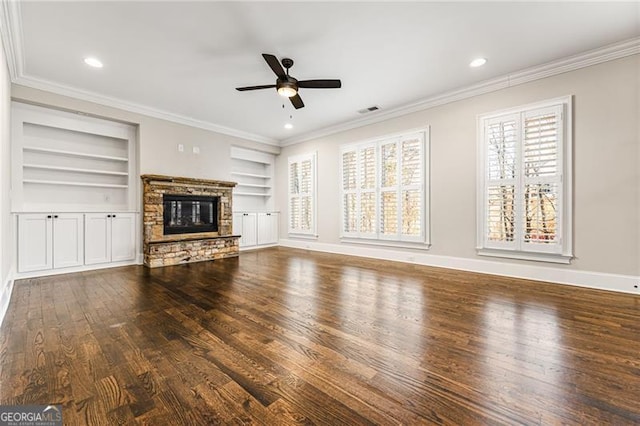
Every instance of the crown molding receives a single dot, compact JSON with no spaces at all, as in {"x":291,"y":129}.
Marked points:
{"x":572,"y":63}
{"x":11,"y":33}
{"x":84,"y":95}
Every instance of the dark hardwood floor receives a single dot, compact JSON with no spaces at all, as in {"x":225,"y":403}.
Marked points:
{"x":282,"y":336}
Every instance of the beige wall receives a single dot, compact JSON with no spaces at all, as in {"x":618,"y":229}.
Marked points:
{"x":606,"y":166}
{"x":158,"y":139}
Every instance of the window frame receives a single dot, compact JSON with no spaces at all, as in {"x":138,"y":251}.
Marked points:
{"x":421,"y":241}
{"x":301,"y":233}
{"x":518,"y":248}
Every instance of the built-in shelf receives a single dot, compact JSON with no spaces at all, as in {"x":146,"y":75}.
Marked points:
{"x":254,"y":175}
{"x":253,"y":171}
{"x":253,"y":194}
{"x":63,"y":161}
{"x":58,"y":182}
{"x":253,"y":185}
{"x":74,"y":153}
{"x":74,"y":169}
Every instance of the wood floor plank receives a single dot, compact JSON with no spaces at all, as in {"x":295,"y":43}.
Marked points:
{"x":282,"y":336}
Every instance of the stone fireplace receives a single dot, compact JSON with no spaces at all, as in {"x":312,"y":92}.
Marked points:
{"x":187,"y":220}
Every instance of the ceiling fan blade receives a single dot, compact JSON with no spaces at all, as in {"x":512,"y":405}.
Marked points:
{"x":266,"y":86}
{"x":273,"y":62}
{"x":296,"y":101}
{"x":320,"y":84}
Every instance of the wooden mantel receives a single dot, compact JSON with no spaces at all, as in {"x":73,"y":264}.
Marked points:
{"x":186,"y":181}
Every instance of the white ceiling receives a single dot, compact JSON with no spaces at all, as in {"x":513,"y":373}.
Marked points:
{"x":186,"y":58}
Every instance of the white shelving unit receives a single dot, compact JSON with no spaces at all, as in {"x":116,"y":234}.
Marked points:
{"x":253,"y":171}
{"x":69,"y":162}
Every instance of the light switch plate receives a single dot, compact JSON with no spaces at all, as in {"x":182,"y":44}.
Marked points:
{"x":180,"y":147}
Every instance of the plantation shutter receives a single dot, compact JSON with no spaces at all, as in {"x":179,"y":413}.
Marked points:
{"x":350,"y":192}
{"x":501,"y":136}
{"x":389,"y":203}
{"x":383,"y":186}
{"x":523,"y":200}
{"x":542,"y":179}
{"x":294,"y":196}
{"x":368,"y":188}
{"x":302,"y":194}
{"x":411,"y":187}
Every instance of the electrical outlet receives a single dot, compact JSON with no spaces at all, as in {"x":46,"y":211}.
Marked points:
{"x":180,"y":147}
{"x":196,"y":150}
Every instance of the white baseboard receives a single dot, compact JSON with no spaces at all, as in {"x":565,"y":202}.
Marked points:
{"x":83,"y":268}
{"x":249,"y":248}
{"x":5,"y":295}
{"x":595,"y":280}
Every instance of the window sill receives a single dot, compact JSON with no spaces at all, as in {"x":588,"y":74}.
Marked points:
{"x":303,"y":236}
{"x":535,"y":257}
{"x":387,"y":243}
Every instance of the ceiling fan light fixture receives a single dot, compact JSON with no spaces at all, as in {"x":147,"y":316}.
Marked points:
{"x":287,"y":90}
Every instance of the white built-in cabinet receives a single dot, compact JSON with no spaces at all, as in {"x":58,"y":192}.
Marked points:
{"x":76,"y":167}
{"x":109,"y":237}
{"x":267,"y":232}
{"x":256,"y":229}
{"x":253,"y":218}
{"x":50,"y":241}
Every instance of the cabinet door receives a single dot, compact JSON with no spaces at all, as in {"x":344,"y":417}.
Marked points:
{"x":267,"y":228}
{"x":68,"y":240}
{"x":35,"y":242}
{"x":249,"y":225}
{"x":237,"y":223}
{"x":97,"y":241}
{"x":123,"y":236}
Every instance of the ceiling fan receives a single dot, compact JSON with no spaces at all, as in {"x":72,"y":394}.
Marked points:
{"x":288,"y":86}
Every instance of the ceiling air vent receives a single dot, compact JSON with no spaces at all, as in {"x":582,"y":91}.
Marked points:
{"x":368,"y":110}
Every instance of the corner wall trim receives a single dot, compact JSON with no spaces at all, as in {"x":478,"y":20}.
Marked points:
{"x":589,"y":279}
{"x":5,"y":297}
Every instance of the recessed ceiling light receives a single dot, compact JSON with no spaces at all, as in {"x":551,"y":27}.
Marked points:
{"x":93,"y":62}
{"x":288,"y":126}
{"x":478,"y":62}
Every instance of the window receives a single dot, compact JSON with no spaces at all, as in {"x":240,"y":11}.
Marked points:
{"x":524,"y":183}
{"x":302,"y":194}
{"x":384,"y":189}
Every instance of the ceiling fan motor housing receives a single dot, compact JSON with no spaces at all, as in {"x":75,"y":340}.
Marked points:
{"x":287,"y":63}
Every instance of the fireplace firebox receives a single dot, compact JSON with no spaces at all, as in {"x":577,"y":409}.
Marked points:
{"x":186,"y":214}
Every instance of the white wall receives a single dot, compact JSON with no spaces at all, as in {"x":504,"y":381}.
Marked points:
{"x":606,"y":173}
{"x":7,"y":251}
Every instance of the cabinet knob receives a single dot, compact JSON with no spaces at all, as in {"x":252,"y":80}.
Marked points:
{"x":55,"y":216}
{"x":49,"y":216}
{"x":108,"y":215}
{"x":113,"y":215}
{"x":268,"y":214}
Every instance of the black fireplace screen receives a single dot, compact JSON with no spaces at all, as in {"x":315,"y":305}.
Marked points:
{"x":184,"y":214}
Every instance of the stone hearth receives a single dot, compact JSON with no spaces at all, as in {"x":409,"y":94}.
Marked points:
{"x":173,"y":249}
